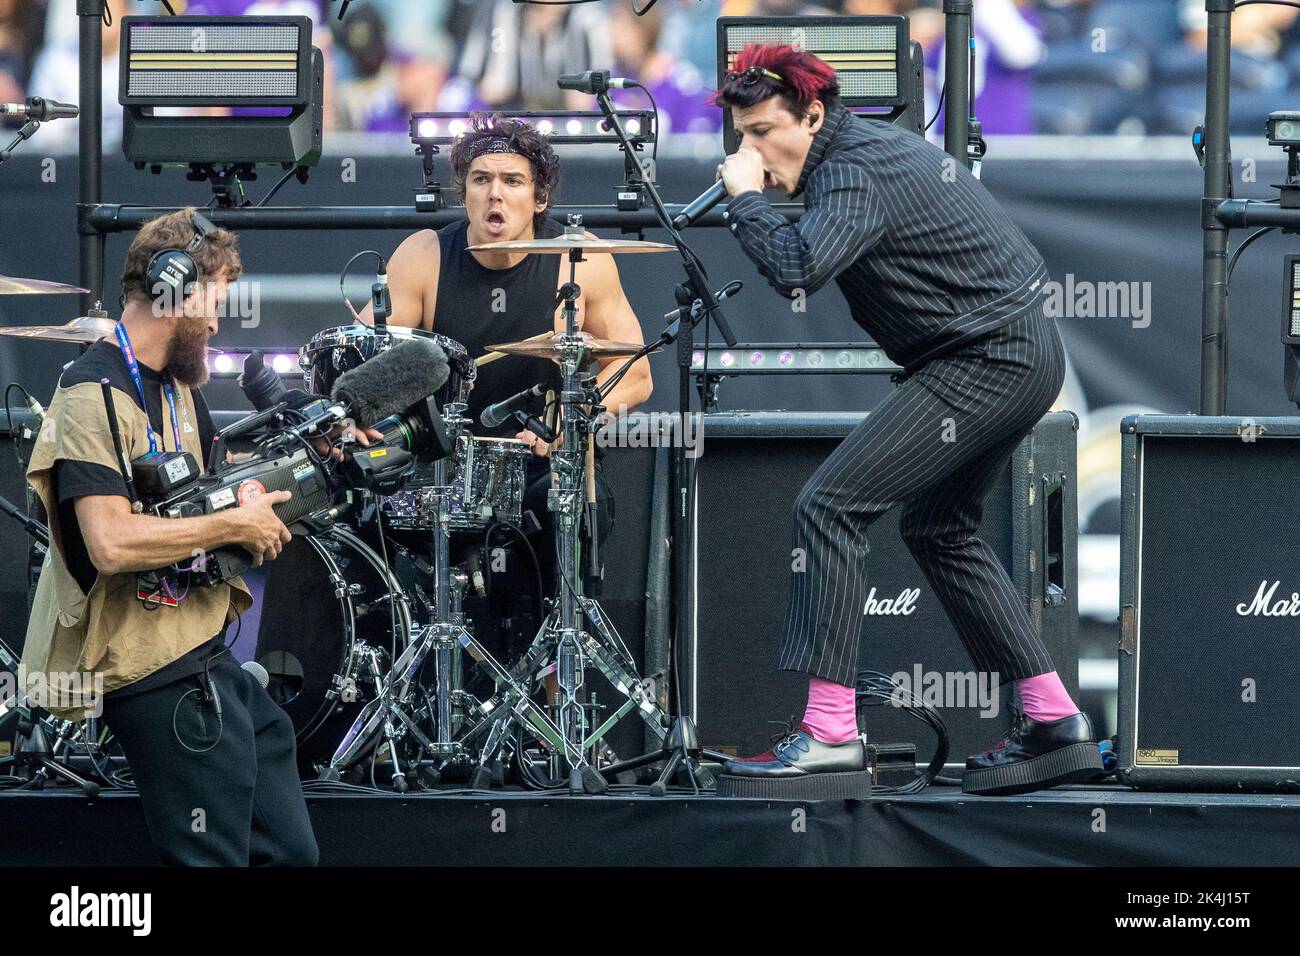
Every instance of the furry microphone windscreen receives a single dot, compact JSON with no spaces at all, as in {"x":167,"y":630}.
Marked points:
{"x":392,"y":381}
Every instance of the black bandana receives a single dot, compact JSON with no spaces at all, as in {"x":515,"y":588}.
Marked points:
{"x":491,"y":144}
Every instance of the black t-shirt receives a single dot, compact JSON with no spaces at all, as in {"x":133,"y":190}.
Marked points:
{"x":77,"y":479}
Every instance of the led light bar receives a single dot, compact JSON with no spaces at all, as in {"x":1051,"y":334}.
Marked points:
{"x":782,"y":358}
{"x":1291,"y":298}
{"x":215,"y":61}
{"x":559,"y":126}
{"x":234,"y":62}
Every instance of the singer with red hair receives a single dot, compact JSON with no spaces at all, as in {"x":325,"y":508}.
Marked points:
{"x":941,"y":278}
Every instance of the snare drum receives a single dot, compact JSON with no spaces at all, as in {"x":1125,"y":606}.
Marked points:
{"x":488,"y":479}
{"x":331,"y":352}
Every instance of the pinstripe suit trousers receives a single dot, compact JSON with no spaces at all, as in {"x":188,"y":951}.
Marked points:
{"x":934,"y":446}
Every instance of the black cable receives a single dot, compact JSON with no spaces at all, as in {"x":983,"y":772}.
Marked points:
{"x":654,"y":147}
{"x":604,"y":391}
{"x":239,"y":623}
{"x":17,"y":439}
{"x":875,"y":689}
{"x":1232,"y":261}
{"x":943,"y":90}
{"x":276,"y":188}
{"x":344,"y":274}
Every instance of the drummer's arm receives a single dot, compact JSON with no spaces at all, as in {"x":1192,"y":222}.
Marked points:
{"x":412,"y":282}
{"x":609,"y":316}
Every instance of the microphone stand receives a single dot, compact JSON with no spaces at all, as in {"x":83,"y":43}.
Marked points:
{"x":682,"y":746}
{"x":28,"y":129}
{"x":40,"y":534}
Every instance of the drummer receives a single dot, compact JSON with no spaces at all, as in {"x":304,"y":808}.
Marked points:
{"x":507,"y":175}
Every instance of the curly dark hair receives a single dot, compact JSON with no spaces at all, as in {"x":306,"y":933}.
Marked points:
{"x":525,"y":141}
{"x":217,"y":256}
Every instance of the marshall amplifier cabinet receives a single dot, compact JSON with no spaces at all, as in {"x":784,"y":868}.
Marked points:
{"x":1209,"y":654}
{"x":750,"y":467}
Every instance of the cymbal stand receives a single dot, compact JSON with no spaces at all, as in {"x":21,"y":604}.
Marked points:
{"x":562,"y":637}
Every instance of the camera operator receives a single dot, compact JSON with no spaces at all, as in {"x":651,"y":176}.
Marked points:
{"x":212,"y":755}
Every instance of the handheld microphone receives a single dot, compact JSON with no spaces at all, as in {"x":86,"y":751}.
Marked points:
{"x":36,"y":407}
{"x":699,"y":206}
{"x":260,"y":385}
{"x":500,"y":413}
{"x":40,"y":109}
{"x":258,"y":671}
{"x":392,"y":381}
{"x":594,"y":81}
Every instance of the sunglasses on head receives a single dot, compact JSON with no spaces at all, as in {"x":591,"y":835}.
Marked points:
{"x":752,"y":75}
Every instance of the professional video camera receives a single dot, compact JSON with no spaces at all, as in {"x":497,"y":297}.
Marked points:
{"x":301,"y":443}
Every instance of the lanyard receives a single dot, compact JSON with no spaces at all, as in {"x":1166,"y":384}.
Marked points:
{"x":134,"y":368}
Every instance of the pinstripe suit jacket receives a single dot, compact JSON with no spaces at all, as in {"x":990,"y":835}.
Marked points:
{"x":922,"y":252}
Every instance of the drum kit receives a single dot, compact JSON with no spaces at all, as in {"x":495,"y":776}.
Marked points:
{"x":386,"y":686}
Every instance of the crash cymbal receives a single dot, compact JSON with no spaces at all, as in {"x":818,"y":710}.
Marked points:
{"x":10,"y":286}
{"x":552,"y":348}
{"x":571,"y":241}
{"x":83,"y":329}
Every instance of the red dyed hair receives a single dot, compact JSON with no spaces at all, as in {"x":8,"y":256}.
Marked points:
{"x":804,"y":78}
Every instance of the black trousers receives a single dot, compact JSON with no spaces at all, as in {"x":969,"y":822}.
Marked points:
{"x":237,"y":803}
{"x":934,"y":446}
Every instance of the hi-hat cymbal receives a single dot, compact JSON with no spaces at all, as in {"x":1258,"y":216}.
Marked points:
{"x":10,"y":286}
{"x":571,"y":241}
{"x":553,"y":348}
{"x":83,"y":330}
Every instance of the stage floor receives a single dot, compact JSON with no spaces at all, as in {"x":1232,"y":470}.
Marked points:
{"x":1111,"y":826}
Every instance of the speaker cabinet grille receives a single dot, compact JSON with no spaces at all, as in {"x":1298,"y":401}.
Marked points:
{"x":1209,"y":659}
{"x":751,"y":469}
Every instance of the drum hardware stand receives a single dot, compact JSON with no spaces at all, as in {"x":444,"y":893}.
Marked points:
{"x":562,"y":636}
{"x":696,"y":290}
{"x":36,"y":727}
{"x":41,"y":736}
{"x":33,"y":749}
{"x":393,"y":689}
{"x":445,"y":636}
{"x":27,"y":132}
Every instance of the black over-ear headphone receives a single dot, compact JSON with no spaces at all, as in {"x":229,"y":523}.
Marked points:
{"x":171,"y":273}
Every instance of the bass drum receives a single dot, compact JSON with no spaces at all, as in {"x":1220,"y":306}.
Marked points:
{"x":328,"y":618}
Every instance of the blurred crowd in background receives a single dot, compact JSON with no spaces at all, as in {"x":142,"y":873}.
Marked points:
{"x":1067,"y":67}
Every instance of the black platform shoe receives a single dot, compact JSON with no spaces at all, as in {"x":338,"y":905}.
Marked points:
{"x":801,"y":767}
{"x":1035,"y":756}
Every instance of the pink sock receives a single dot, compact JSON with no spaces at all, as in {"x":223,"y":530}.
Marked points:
{"x":831,"y":715}
{"x":1045,"y":698}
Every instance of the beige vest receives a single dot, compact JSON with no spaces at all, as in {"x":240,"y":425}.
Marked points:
{"x":107,"y":639}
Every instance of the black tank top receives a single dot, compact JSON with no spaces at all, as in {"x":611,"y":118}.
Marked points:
{"x":478,"y":306}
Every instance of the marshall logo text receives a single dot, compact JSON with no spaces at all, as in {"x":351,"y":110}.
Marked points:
{"x":1263,"y":604}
